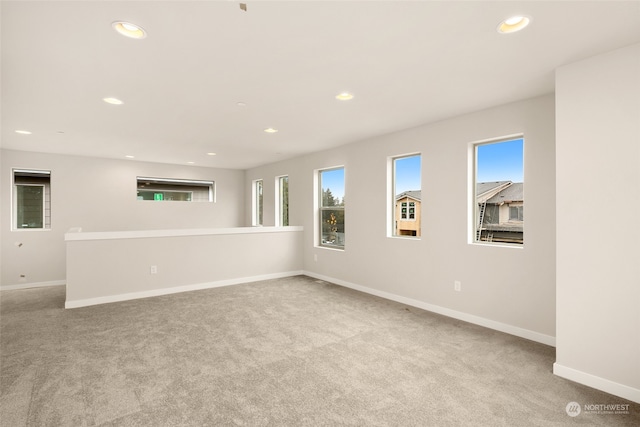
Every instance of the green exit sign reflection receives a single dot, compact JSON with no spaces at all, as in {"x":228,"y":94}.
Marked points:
{"x":158,"y":196}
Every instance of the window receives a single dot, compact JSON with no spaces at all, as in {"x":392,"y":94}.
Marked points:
{"x":499,"y":192}
{"x":176,"y":190}
{"x":331,"y":211}
{"x":407,"y":195}
{"x":31,"y":199}
{"x":516,"y":213}
{"x":257,"y":203}
{"x":282,"y":201}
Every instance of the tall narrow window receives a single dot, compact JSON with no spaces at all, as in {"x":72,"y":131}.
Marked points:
{"x":407,"y":195}
{"x":257,"y":202}
{"x":331,"y":211}
{"x":31,"y":199}
{"x":282,"y":201}
{"x":499,"y":192}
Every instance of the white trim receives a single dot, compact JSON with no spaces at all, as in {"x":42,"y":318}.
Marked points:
{"x":255,"y":213}
{"x":472,"y":175}
{"x":14,"y":203}
{"x":33,"y":285}
{"x":603,"y":384}
{"x":279,"y":199}
{"x":392,"y":221}
{"x":144,"y":234}
{"x":319,"y":208}
{"x":202,"y":183}
{"x":176,"y":289}
{"x":477,"y":320}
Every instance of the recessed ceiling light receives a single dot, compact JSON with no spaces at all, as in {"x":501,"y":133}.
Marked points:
{"x":211,"y":154}
{"x":114,"y":101}
{"x":241,"y":104}
{"x":130,"y":30}
{"x":23,"y":132}
{"x":344,"y":96}
{"x":271,"y":130}
{"x":130,"y":157}
{"x":513,"y":24}
{"x":191,"y":163}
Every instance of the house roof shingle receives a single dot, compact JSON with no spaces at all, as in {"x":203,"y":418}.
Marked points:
{"x":513,"y":193}
{"x":413,"y":194}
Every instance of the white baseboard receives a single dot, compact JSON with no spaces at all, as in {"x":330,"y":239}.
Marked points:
{"x":33,"y":285}
{"x":608,"y":386}
{"x":176,"y":289}
{"x":481,"y":321}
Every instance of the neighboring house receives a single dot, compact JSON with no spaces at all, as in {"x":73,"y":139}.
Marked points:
{"x":408,"y":213}
{"x":500,"y":211}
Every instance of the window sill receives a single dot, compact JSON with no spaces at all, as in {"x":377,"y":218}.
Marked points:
{"x":406,"y":237}
{"x":498,"y":245}
{"x":331,"y":248}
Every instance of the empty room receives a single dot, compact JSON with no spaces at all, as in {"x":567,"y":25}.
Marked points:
{"x":319,"y":213}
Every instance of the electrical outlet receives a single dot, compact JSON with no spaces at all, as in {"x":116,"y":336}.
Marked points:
{"x":154,"y":269}
{"x":457,"y":286}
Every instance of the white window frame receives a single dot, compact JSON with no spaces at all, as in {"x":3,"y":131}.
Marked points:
{"x":319,"y":208}
{"x":210,"y":185}
{"x":473,"y":211}
{"x":279,"y":180}
{"x":391,"y":191}
{"x":46,"y":220}
{"x":257,"y":208}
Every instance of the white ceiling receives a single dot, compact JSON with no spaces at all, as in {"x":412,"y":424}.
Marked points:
{"x":407,"y":63}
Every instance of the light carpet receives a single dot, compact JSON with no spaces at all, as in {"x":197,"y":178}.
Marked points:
{"x":285,"y":352}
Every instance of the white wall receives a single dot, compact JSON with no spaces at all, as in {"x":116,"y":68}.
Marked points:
{"x":108,"y":267}
{"x":598,"y":259}
{"x":100,"y":195}
{"x":506,"y":287}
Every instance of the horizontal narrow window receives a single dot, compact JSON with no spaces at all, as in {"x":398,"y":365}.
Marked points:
{"x":177,"y":190}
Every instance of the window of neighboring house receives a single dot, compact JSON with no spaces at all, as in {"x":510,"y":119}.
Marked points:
{"x":407,"y":195}
{"x":282,"y":201}
{"x":516,"y":213}
{"x":31,"y":199}
{"x":176,"y":190}
{"x":331,"y":207}
{"x":257,"y":202}
{"x":499,"y":191}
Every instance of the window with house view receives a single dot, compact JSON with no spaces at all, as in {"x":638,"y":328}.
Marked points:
{"x":282,"y":201}
{"x":499,"y":192}
{"x":31,"y":199}
{"x":174,"y":190}
{"x":331,"y":207}
{"x":407,"y":195}
{"x":257,"y":203}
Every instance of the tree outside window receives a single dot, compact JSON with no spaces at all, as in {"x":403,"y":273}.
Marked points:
{"x":332,"y":215}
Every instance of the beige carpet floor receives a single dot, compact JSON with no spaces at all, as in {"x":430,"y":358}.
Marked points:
{"x":287,"y":352}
